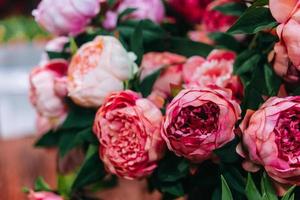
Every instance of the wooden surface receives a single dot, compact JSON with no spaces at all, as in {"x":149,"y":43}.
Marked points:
{"x":21,"y":164}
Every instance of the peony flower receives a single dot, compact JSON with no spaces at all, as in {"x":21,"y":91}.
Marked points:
{"x":47,"y":93}
{"x":128,"y":128}
{"x":43,"y":196}
{"x":215,"y":21}
{"x":98,"y":68}
{"x":57,"y":44}
{"x":287,"y":53}
{"x":270,"y":138}
{"x":191,"y":10}
{"x":170,"y":75}
{"x":145,"y":9}
{"x":216,"y":69}
{"x":199,"y":121}
{"x":64,"y":17}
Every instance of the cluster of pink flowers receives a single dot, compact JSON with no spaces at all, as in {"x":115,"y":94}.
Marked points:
{"x":201,"y":95}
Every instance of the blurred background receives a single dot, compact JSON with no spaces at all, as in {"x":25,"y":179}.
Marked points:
{"x":21,"y":46}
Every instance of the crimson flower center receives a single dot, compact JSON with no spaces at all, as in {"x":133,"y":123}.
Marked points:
{"x":287,"y":132}
{"x":200,"y":120}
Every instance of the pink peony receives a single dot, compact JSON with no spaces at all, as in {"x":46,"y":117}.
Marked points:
{"x":215,"y":21}
{"x":287,"y":53}
{"x":128,"y":128}
{"x":57,"y":44}
{"x":64,"y":17}
{"x":145,"y":9}
{"x":98,"y":68}
{"x":216,"y":69}
{"x":191,"y":10}
{"x":199,"y":121}
{"x":270,"y":138}
{"x":43,"y":196}
{"x":170,"y":75}
{"x":47,"y":92}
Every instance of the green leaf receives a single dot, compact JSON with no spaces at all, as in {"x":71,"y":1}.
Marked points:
{"x":248,"y":65}
{"x":41,"y":185}
{"x":91,"y":171}
{"x":185,"y":47}
{"x":64,"y":183}
{"x":174,"y":189}
{"x":25,"y":190}
{"x":148,"y":82}
{"x":226,"y":193}
{"x":79,"y":117}
{"x":234,"y":178}
{"x":73,"y":46}
{"x":252,"y":99}
{"x":273,"y":81}
{"x":289,"y":195}
{"x":227,"y":153}
{"x":70,"y":141}
{"x":260,"y":3}
{"x":251,"y":191}
{"x":111,"y":3}
{"x":267,"y":188}
{"x":57,"y":55}
{"x":235,"y":9}
{"x":151,"y":31}
{"x":126,"y":12}
{"x":253,"y":21}
{"x":136,"y":42}
{"x":224,"y":40}
{"x":49,"y":139}
{"x":174,"y":172}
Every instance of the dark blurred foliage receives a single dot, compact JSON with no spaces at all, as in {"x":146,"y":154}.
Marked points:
{"x":16,"y":7}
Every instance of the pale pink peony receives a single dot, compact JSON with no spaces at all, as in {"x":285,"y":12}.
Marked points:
{"x":191,"y":10}
{"x":171,"y":74}
{"x":48,"y":88}
{"x":215,"y":21}
{"x":66,"y":17}
{"x":98,"y":68}
{"x":270,"y":138}
{"x":43,"y":196}
{"x":217,"y":69}
{"x":287,"y":51}
{"x":57,"y":44}
{"x":199,"y":121}
{"x":145,"y":9}
{"x":128,"y":128}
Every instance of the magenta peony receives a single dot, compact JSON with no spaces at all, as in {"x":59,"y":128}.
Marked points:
{"x":66,"y":17}
{"x":171,"y":74}
{"x":287,"y":53}
{"x":216,"y":69}
{"x":191,"y":10}
{"x":145,"y":9}
{"x":48,"y":88}
{"x":270,"y":138}
{"x":98,"y":68}
{"x":199,"y":121}
{"x":128,"y":128}
{"x":215,"y":21}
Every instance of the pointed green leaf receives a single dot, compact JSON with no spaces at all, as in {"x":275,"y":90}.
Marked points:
{"x":136,"y":42}
{"x":251,"y":191}
{"x":253,"y":21}
{"x":148,"y":82}
{"x":41,"y":185}
{"x":267,"y":188}
{"x":289,"y":195}
{"x":226,"y":193}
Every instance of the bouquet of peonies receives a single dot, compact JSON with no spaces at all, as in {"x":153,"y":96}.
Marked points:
{"x":198,"y":97}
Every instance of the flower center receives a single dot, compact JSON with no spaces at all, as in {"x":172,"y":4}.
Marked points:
{"x":202,"y":120}
{"x":287,"y":132}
